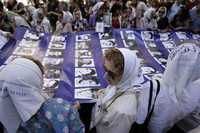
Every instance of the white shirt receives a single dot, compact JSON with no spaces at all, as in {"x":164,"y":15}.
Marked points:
{"x":119,"y":116}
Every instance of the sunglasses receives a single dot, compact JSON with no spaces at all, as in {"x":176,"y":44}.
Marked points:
{"x":110,"y":73}
{"x":161,"y":12}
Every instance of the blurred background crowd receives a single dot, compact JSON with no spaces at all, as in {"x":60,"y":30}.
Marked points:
{"x":79,"y":15}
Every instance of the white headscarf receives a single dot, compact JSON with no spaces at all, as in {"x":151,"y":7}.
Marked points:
{"x":140,"y":9}
{"x":97,"y":6}
{"x":147,"y":21}
{"x":182,"y":74}
{"x":130,"y":79}
{"x":81,"y":17}
{"x":164,"y":14}
{"x":132,"y":71}
{"x":131,"y":76}
{"x":21,"y":82}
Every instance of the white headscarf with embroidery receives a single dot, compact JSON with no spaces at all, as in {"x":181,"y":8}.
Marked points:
{"x":21,"y":82}
{"x":130,"y":79}
{"x":182,"y":74}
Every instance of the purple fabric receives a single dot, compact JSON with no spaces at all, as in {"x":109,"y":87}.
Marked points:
{"x":19,"y":32}
{"x":66,"y":85}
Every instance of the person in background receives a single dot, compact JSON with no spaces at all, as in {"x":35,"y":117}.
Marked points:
{"x":195,"y":18}
{"x":11,"y":5}
{"x":21,"y":18}
{"x":98,"y":16}
{"x":73,"y":5}
{"x":162,"y":19}
{"x":5,"y":23}
{"x":59,"y":24}
{"x":79,"y":23}
{"x":116,"y":11}
{"x":149,"y":21}
{"x":140,"y":7}
{"x":128,"y":19}
{"x":154,"y":4}
{"x":40,"y":22}
{"x":181,"y":20}
{"x":87,"y":9}
{"x":175,"y":8}
{"x":53,"y":5}
{"x":67,"y":17}
{"x":98,"y":5}
{"x":25,"y":108}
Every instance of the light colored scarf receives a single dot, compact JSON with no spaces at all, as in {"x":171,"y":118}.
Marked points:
{"x":182,"y":74}
{"x":131,"y":77}
{"x":164,"y":14}
{"x":147,"y":21}
{"x":21,"y":82}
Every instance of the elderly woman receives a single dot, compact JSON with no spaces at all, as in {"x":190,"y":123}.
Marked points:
{"x":154,"y":105}
{"x":179,"y":88}
{"x":79,"y":23}
{"x":162,"y":20}
{"x":116,"y":107}
{"x":149,"y":21}
{"x":24,"y":108}
{"x":40,"y":21}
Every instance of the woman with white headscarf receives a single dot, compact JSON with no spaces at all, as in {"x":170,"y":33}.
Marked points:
{"x":116,"y":108}
{"x":126,"y":100}
{"x":180,"y":92}
{"x":162,"y":19}
{"x":149,"y":20}
{"x":24,"y":108}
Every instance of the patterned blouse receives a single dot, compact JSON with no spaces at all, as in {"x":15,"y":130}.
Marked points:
{"x":54,"y":116}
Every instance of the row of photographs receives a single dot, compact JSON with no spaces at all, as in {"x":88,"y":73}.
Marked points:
{"x":86,"y":78}
{"x":147,"y":70}
{"x":57,"y":43}
{"x":151,"y":47}
{"x":150,"y":35}
{"x":86,"y":93}
{"x":86,"y":45}
{"x":28,"y":45}
{"x":29,"y":36}
{"x":53,"y":62}
{"x":147,"y":35}
{"x":24,"y":48}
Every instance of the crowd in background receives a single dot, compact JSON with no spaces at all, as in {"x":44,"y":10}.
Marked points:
{"x":79,"y":15}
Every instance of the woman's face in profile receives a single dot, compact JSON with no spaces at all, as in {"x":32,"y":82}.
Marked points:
{"x":112,"y":74}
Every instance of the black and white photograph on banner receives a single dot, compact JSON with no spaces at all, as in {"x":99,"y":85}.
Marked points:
{"x":83,"y":54}
{"x":80,"y":72}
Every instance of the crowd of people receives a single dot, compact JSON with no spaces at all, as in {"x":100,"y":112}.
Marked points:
{"x":79,"y":15}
